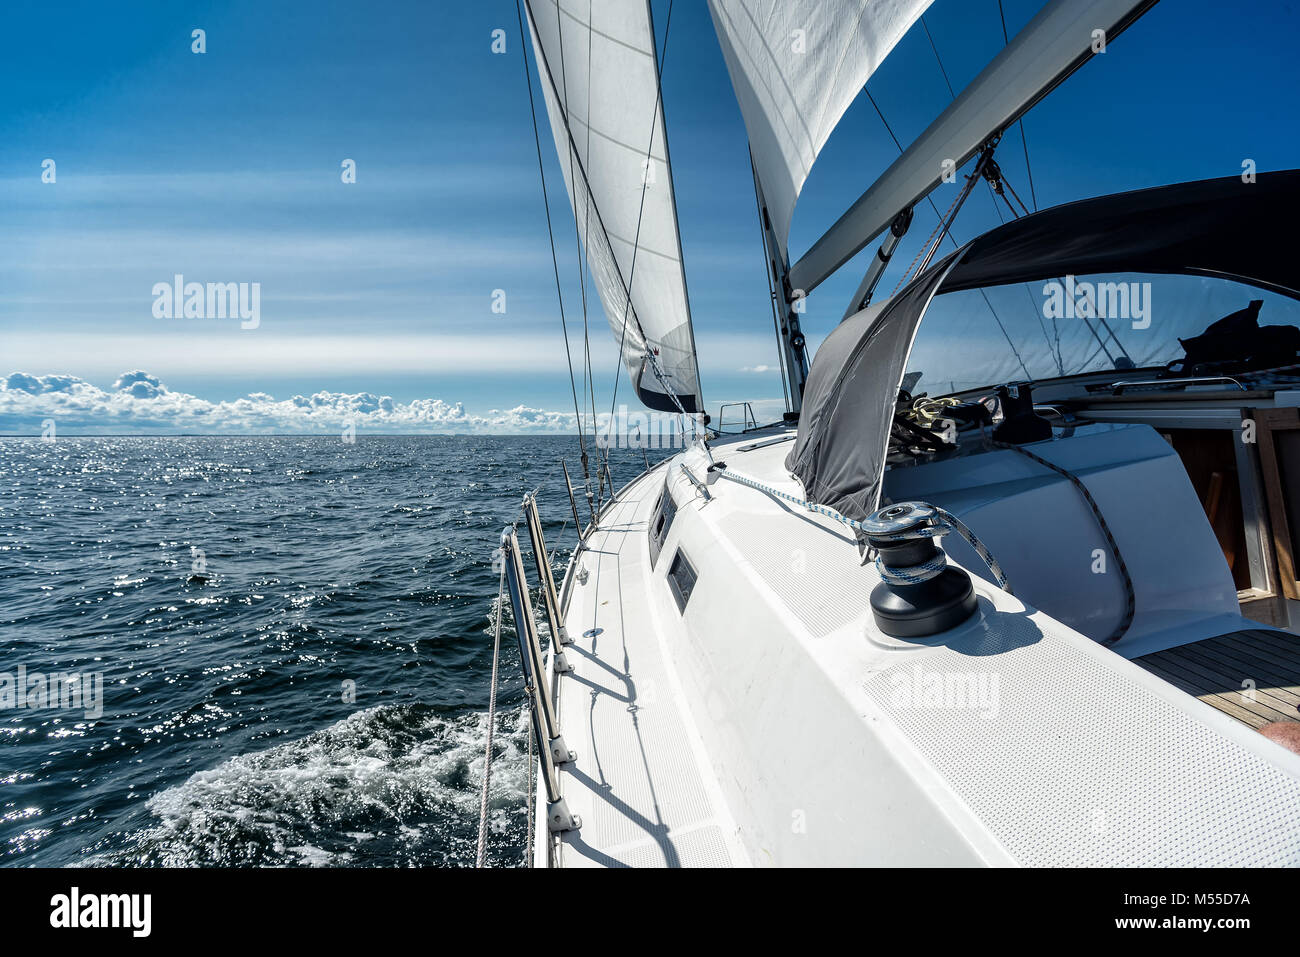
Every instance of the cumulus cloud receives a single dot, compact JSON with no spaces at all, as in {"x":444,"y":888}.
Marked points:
{"x":759,"y":368}
{"x":139,"y":385}
{"x":140,"y":402}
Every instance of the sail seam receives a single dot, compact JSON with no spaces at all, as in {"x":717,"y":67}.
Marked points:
{"x":611,"y":139}
{"x":643,"y":247}
{"x":589,"y":199}
{"x":839,"y":64}
{"x":599,"y":33}
{"x":789,"y":94}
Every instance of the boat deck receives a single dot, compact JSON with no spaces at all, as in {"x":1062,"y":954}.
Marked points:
{"x":641,"y":783}
{"x":813,"y":726}
{"x":1253,"y":675}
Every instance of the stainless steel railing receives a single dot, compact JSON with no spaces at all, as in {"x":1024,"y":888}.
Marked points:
{"x":551,"y":748}
{"x":560,"y":637}
{"x":573,"y":503}
{"x":747,"y":420}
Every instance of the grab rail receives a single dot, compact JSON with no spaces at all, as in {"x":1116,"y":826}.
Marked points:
{"x":573,"y":504}
{"x":1119,"y":387}
{"x":552,"y":749}
{"x":699,"y":486}
{"x":747,"y":420}
{"x":546,"y":580}
{"x":640,"y":444}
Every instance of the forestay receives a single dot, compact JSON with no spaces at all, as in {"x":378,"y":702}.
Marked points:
{"x":597,"y":64}
{"x":796,"y":66}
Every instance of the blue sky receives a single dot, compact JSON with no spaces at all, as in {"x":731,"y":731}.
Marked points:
{"x":225,"y":166}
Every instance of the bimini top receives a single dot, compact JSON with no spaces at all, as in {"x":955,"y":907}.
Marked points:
{"x":1221,"y":227}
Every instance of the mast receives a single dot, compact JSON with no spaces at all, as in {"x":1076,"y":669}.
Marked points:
{"x":789,"y":336}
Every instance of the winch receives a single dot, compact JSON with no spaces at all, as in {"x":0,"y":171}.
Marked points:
{"x":920,"y":593}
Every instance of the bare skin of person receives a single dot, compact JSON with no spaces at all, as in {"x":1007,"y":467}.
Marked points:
{"x":1285,"y":733}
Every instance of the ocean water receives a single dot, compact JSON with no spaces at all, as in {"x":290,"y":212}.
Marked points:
{"x":226,"y":591}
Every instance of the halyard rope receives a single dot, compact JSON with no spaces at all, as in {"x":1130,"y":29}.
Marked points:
{"x":481,"y":857}
{"x":947,"y":522}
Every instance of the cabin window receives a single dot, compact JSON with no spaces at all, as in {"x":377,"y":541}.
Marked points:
{"x":661,"y":523}
{"x":681,"y":579}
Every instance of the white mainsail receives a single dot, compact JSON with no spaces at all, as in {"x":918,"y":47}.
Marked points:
{"x":796,"y":66}
{"x":596,"y":61}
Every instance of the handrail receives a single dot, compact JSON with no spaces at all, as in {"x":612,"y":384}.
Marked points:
{"x":641,"y":445}
{"x":573,"y":504}
{"x":1119,"y":387}
{"x":552,"y":749}
{"x":700,"y":486}
{"x":547,"y":581}
{"x":747,"y":420}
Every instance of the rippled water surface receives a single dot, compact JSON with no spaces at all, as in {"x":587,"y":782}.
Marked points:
{"x":227,"y":590}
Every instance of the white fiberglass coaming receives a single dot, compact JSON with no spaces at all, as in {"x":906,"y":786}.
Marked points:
{"x":765,"y":719}
{"x":1050,"y":544}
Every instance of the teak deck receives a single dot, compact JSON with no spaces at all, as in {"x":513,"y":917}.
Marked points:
{"x":1254,"y":675}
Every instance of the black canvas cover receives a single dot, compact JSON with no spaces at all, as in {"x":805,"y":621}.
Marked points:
{"x":1212,"y":227}
{"x":1221,"y":227}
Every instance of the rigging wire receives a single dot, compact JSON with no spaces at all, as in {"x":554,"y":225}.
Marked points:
{"x":579,"y":237}
{"x":1053,"y":341}
{"x":1029,"y":171}
{"x":948,"y":232}
{"x":586,"y":235}
{"x":546,"y":203}
{"x":1053,"y":345}
{"x":1024,"y":142}
{"x":938,"y":60}
{"x":952,"y":94}
{"x":636,"y":239}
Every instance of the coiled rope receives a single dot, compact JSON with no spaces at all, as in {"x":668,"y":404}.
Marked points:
{"x":945,"y":522}
{"x":481,"y":858}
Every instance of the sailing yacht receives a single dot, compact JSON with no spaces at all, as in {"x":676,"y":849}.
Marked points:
{"x":1042,"y":620}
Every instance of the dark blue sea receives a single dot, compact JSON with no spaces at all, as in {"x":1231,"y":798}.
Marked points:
{"x":226,"y":591}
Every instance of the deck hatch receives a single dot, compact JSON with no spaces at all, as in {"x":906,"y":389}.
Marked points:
{"x":681,"y":579}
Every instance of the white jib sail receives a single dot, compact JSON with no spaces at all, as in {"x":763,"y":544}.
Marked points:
{"x":796,"y":66}
{"x":596,"y":61}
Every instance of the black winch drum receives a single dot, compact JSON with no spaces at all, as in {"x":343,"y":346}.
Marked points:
{"x":925,"y":608}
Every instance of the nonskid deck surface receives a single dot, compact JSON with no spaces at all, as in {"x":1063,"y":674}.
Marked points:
{"x":640,"y":782}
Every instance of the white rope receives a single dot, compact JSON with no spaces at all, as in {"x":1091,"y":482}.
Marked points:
{"x":947,"y":522}
{"x":481,"y":857}
{"x":531,"y":796}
